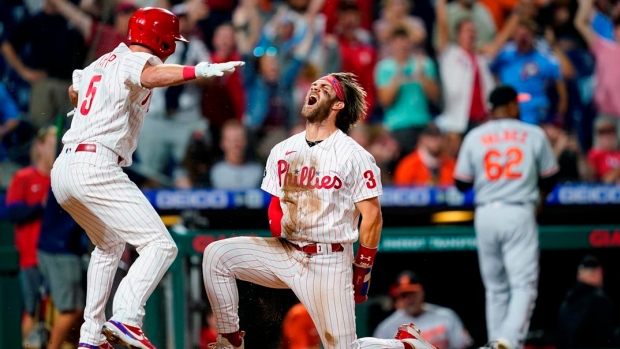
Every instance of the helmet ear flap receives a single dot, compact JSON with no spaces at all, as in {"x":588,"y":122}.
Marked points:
{"x":168,"y":47}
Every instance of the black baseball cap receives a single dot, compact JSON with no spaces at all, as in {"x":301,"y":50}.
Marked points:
{"x":502,"y":96}
{"x":589,"y":262}
{"x":406,"y":282}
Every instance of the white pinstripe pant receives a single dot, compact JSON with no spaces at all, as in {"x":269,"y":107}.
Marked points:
{"x":113,"y":211}
{"x":323,"y":284}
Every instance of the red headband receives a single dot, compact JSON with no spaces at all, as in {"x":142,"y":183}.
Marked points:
{"x":336,"y":85}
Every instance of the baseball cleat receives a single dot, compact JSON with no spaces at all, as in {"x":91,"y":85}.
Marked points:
{"x":223,"y":343}
{"x":104,"y":345}
{"x":129,"y":336}
{"x":409,"y":334}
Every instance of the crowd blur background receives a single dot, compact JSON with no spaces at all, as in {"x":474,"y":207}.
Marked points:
{"x":427,"y":67}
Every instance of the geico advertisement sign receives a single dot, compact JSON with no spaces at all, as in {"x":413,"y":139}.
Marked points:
{"x":208,"y":199}
{"x":574,"y":195}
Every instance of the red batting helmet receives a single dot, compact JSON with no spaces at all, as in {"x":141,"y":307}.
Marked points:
{"x":156,"y":29}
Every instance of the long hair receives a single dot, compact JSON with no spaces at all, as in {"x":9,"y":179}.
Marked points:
{"x":354,"y":104}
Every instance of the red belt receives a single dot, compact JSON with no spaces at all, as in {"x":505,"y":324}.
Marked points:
{"x":91,"y":148}
{"x":316,"y":248}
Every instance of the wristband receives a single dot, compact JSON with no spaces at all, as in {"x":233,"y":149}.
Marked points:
{"x":189,"y":73}
{"x":365,"y":256}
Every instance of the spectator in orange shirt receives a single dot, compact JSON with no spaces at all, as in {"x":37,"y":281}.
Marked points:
{"x":500,"y":10}
{"x":428,"y":165}
{"x":298,"y":330}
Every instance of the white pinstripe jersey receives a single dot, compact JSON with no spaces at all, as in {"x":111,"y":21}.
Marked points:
{"x":111,"y":102}
{"x":318,"y":187}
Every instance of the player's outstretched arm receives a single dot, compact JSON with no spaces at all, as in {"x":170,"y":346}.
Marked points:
{"x":370,"y":234}
{"x":164,"y":75}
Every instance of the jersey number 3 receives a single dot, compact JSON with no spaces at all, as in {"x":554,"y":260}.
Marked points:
{"x":371,"y":182}
{"x":90,"y":95}
{"x":493,"y":168}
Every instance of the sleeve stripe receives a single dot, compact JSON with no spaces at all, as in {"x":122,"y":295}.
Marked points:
{"x":550,"y":172}
{"x":463,"y":177}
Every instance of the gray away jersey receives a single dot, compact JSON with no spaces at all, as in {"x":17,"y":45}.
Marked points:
{"x":504,"y":159}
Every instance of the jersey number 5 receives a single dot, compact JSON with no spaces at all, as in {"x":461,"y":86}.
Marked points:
{"x":493,"y":168}
{"x":90,"y":95}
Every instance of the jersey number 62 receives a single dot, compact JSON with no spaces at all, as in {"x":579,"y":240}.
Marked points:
{"x":499,"y":165}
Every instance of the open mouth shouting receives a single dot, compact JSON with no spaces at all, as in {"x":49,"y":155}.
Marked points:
{"x":312,"y":99}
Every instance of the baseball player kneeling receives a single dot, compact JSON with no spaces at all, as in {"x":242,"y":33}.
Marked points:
{"x":321,"y":182}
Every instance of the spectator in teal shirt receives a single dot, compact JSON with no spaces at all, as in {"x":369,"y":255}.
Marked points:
{"x":405,"y":84}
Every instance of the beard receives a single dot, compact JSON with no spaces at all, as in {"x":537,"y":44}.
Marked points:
{"x":319,"y":113}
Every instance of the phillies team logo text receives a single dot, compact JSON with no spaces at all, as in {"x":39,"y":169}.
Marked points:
{"x":305,"y":177}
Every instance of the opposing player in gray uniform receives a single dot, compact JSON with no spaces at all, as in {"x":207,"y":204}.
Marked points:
{"x":512,"y":168}
{"x":440,"y":326}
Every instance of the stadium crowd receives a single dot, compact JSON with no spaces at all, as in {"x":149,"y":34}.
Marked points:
{"x":427,"y":67}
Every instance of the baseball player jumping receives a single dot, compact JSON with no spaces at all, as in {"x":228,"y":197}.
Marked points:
{"x":111,"y":97}
{"x":321,"y":181}
{"x":512,"y":168}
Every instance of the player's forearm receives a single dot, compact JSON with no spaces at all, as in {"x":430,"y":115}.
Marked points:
{"x":163,"y":75}
{"x":370,"y":229}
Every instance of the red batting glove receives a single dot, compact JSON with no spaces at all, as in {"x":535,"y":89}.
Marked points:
{"x":361,"y":272}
